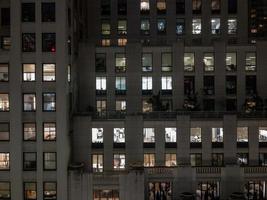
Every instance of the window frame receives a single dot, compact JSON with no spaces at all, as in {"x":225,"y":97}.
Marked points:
{"x":53,"y":94}
{"x":45,"y":182}
{"x":55,"y":137}
{"x":23,"y":131}
{"x":50,"y":161}
{"x":8,"y":126}
{"x":31,"y":73}
{"x":43,"y":73}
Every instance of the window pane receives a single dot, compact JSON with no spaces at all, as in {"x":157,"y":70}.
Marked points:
{"x":147,"y":83}
{"x":149,"y":135}
{"x":122,"y":7}
{"x":105,"y":7}
{"x":196,"y":6}
{"x":149,"y":160}
{"x":208,"y":62}
{"x":145,"y":27}
{"x":166,"y":83}
{"x":263,"y":134}
{"x":180,"y":26}
{"x":4,"y":131}
{"x":166,"y":62}
{"x":196,"y":26}
{"x":105,"y":28}
{"x":161,"y":6}
{"x":4,"y":161}
{"x":170,"y":160}
{"x":170,"y":135}
{"x":189,"y":62}
{"x":195,"y":135}
{"x":217,"y":134}
{"x":230,"y":61}
{"x":215,"y":6}
{"x":5,"y":192}
{"x":120,"y":105}
{"x":209,"y":86}
{"x":28,"y":72}
{"x":49,"y":131}
{"x":242,"y":159}
{"x":162,"y":25}
{"x":4,"y":72}
{"x":242,"y":134}
{"x":97,"y":162}
{"x":122,"y":27}
{"x":232,"y":26}
{"x":215,"y":26}
{"x":50,"y":161}
{"x":49,"y":72}
{"x":97,"y":135}
{"x":29,"y":131}
{"x":4,"y":102}
{"x":29,"y":102}
{"x":30,"y":191}
{"x":48,"y":12}
{"x":119,"y":135}
{"x":232,"y":6}
{"x":29,"y":161}
{"x":144,"y":6}
{"x":120,"y":63}
{"x":28,"y":12}
{"x":5,"y":42}
{"x":119,"y":161}
{"x":180,"y":6}
{"x":147,"y":106}
{"x":28,"y":42}
{"x":251,"y":61}
{"x":49,"y":42}
{"x":120,"y":83}
{"x":49,"y":101}
{"x":50,"y":190}
{"x":100,"y":62}
{"x":147,"y":62}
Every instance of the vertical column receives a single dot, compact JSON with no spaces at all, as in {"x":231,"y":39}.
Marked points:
{"x":160,"y":144}
{"x":253,"y":138}
{"x":229,"y":139}
{"x":241,"y":80}
{"x":242,"y":9}
{"x":206,"y":144}
{"x":108,"y":147}
{"x":261,"y":69}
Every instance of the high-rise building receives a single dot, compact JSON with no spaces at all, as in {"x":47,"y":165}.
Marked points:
{"x":127,"y":100}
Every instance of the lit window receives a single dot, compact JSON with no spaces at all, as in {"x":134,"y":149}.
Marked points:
{"x":50,"y":161}
{"x":147,"y":83}
{"x":161,"y":6}
{"x":170,"y":135}
{"x":48,"y":42}
{"x":170,"y":159}
{"x":217,"y":159}
{"x":120,"y":59}
{"x":4,"y":72}
{"x":5,"y":190}
{"x":6,"y":42}
{"x":149,"y":160}
{"x":97,"y":162}
{"x":232,"y":26}
{"x":49,"y":131}
{"x":144,"y":6}
{"x":28,"y":72}
{"x":119,"y":135}
{"x":69,"y":73}
{"x":4,"y":131}
{"x":50,"y":190}
{"x":251,"y":61}
{"x":101,"y":85}
{"x":105,"y":28}
{"x":263,"y":134}
{"x":147,"y":62}
{"x":4,"y":161}
{"x":217,"y":134}
{"x":242,"y":134}
{"x":49,"y":101}
{"x":106,"y":194}
{"x":120,"y":85}
{"x":195,"y":135}
{"x":48,"y":12}
{"x":122,"y":41}
{"x":97,"y":135}
{"x":189,"y":62}
{"x":28,"y":12}
{"x":196,"y":159}
{"x":30,"y":191}
{"x":215,"y":6}
{"x":208,"y":61}
{"x":230,"y":61}
{"x":29,"y":131}
{"x":118,"y":161}
{"x":242,"y":159}
{"x":122,"y":27}
{"x":49,"y":72}
{"x":121,"y":105}
{"x":196,"y":6}
{"x":160,"y":190}
{"x":28,"y":42}
{"x":29,"y":161}
{"x":166,"y":83}
{"x":147,"y":106}
{"x":161,"y":26}
{"x":166,"y":62}
{"x":101,"y":107}
{"x":196,"y":26}
{"x":149,"y":135}
{"x":105,"y":42}
{"x":145,"y":27}
{"x":4,"y":102}
{"x":215,"y":26}
{"x":29,"y":102}
{"x":180,"y":26}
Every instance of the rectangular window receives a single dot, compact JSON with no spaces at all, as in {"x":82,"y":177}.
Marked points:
{"x":97,"y":162}
{"x":209,"y":188}
{"x":180,"y":7}
{"x":217,"y":159}
{"x":119,"y":161}
{"x":5,"y":190}
{"x":180,"y":26}
{"x":5,"y":42}
{"x":49,"y":72}
{"x":195,"y":135}
{"x":120,"y":65}
{"x":242,"y":134}
{"x":196,"y":26}
{"x":29,"y":131}
{"x":232,"y":26}
{"x":105,"y":7}
{"x":4,"y":131}
{"x":231,"y":105}
{"x":122,"y":7}
{"x":217,"y":134}
{"x":4,"y":161}
{"x":48,"y":12}
{"x":147,"y":85}
{"x":209,"y":87}
{"x":97,"y":135}
{"x":105,"y":28}
{"x":161,"y":6}
{"x":48,"y":42}
{"x":166,"y":62}
{"x":231,"y":85}
{"x":5,"y":16}
{"x":50,"y":191}
{"x":101,"y":107}
{"x":4,"y":102}
{"x":100,"y":62}
{"x":148,"y":135}
{"x":49,"y":101}
{"x":28,"y":72}
{"x":122,"y":41}
{"x":170,"y":135}
{"x":69,"y":73}
{"x":50,"y":161}
{"x":232,"y":6}
{"x":101,"y":85}
{"x":119,"y":135}
{"x":4,"y":69}
{"x":208,"y":104}
{"x":29,"y":161}
{"x":196,"y":6}
{"x":196,"y":159}
{"x":149,"y":160}
{"x":147,"y":106}
{"x":121,"y":105}
{"x":49,"y":132}
{"x":170,"y":160}
{"x":231,"y":62}
{"x":215,"y":6}
{"x":262,"y":134}
{"x":147,"y":62}
{"x":215,"y":26}
{"x":208,"y":61}
{"x":251,"y":61}
{"x":242,"y":159}
{"x":263,"y":159}
{"x":28,"y":42}
{"x":28,"y":12}
{"x":122,"y":27}
{"x":162,"y":26}
{"x":189,"y":62}
{"x":29,"y":102}
{"x":166,"y":83}
{"x":251,"y":85}
{"x":189,"y":85}
{"x":145,"y":26}
{"x":120,"y":85}
{"x":30,"y":191}
{"x":144,"y":7}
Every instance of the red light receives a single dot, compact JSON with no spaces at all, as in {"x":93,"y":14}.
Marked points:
{"x":53,"y":49}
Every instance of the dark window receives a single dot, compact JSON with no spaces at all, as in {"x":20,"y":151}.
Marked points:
{"x":189,"y":85}
{"x":208,"y":85}
{"x":263,"y":159}
{"x":50,"y":161}
{"x":232,"y":6}
{"x":5,"y":191}
{"x":122,"y":7}
{"x":4,"y":131}
{"x":48,"y":12}
{"x":231,"y":105}
{"x":29,"y":161}
{"x":208,"y":104}
{"x":100,"y":62}
{"x":215,"y":6}
{"x":5,"y":16}
{"x":28,"y":12}
{"x":50,"y":191}
{"x":49,"y":101}
{"x":180,"y":7}
{"x":105,"y":7}
{"x":196,"y":6}
{"x":230,"y":85}
{"x":217,"y":159}
{"x":6,"y":42}
{"x":196,"y":159}
{"x":242,"y":159}
{"x":28,"y":42}
{"x":180,"y":26}
{"x":251,"y":85}
{"x":49,"y":42}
